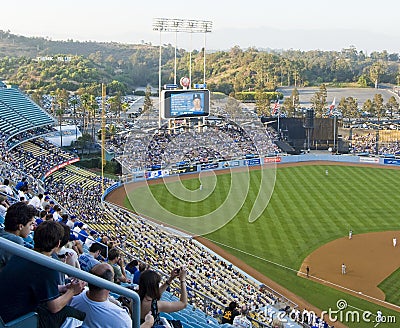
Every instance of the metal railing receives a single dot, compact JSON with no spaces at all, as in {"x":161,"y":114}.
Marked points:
{"x":72,"y":271}
{"x":205,"y":298}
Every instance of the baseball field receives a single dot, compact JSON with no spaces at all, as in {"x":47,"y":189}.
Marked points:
{"x":306,"y":223}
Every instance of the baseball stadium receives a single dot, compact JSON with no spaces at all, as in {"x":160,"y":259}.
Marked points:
{"x":297,"y":218}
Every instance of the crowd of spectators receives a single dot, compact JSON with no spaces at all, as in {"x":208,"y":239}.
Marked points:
{"x":80,"y":196}
{"x":366,"y":144}
{"x":134,"y":236}
{"x":216,"y":140}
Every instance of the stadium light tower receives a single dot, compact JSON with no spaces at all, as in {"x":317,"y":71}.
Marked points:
{"x":181,"y":25}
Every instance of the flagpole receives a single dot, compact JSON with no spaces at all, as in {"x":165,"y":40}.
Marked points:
{"x":279,"y":131}
{"x":334,"y":134}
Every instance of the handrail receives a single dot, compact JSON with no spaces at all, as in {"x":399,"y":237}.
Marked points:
{"x":198,"y":293}
{"x":51,"y":263}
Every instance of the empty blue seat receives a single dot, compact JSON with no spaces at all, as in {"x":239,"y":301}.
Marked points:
{"x":180,"y":317}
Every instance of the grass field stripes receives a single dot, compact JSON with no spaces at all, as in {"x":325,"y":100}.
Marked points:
{"x":308,"y":208}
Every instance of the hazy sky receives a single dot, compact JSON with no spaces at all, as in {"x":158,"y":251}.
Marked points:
{"x":290,"y":24}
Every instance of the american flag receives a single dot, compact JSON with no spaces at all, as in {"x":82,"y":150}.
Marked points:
{"x":332,"y":107}
{"x":275,"y":109}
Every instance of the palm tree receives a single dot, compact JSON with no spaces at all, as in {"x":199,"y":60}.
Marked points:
{"x":85,"y":99}
{"x":74,"y":102}
{"x":60,"y":113}
{"x":93,"y":107}
{"x":125,"y":107}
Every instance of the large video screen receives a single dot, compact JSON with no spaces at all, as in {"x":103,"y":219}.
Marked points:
{"x":185,"y":103}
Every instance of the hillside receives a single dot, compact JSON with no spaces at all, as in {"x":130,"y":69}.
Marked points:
{"x":229,"y":72}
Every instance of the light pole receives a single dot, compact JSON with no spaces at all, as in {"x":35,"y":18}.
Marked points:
{"x":179,"y":25}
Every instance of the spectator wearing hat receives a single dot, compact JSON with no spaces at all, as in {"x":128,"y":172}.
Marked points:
{"x":52,"y":204}
{"x":196,"y":103}
{"x":70,"y":223}
{"x":77,"y":229}
{"x":83,"y":234}
{"x":18,"y":223}
{"x":230,"y":313}
{"x":46,"y":201}
{"x":75,"y":244}
{"x":90,"y":240}
{"x":21,"y":183}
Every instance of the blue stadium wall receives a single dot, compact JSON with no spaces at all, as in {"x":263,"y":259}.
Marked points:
{"x":234,"y":164}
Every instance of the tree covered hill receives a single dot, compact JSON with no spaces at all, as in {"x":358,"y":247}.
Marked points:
{"x":45,"y":65}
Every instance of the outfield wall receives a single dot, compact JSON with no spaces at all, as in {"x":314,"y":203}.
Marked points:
{"x":250,"y":162}
{"x":240,"y":163}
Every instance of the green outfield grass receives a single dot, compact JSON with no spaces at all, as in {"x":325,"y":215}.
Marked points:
{"x":307,"y":210}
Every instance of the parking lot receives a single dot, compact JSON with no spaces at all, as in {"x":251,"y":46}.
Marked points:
{"x":361,"y":94}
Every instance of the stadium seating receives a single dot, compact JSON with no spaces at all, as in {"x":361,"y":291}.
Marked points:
{"x":79,"y":192}
{"x":24,"y":108}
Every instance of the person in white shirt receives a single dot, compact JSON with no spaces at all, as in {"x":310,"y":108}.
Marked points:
{"x":100,"y":312}
{"x":5,"y":187}
{"x":36,"y":201}
{"x":22,"y":194}
{"x":241,"y":320}
{"x":3,"y":206}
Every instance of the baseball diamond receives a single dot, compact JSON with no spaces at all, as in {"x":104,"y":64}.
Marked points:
{"x":307,"y":223}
